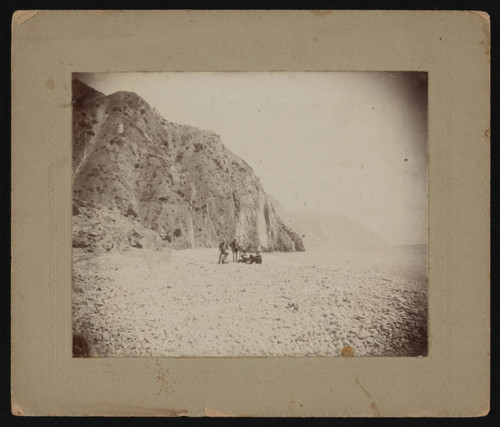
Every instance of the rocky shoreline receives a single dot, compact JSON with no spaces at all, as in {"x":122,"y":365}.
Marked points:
{"x":144,"y":303}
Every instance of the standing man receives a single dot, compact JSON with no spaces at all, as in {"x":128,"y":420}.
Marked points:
{"x":223,"y":252}
{"x":235,"y":248}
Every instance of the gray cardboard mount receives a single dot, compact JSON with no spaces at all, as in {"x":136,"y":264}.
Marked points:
{"x":453,"y":47}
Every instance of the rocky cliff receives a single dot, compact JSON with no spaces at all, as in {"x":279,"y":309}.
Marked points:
{"x":141,"y":180}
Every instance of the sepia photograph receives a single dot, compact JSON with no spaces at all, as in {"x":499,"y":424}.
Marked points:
{"x":250,"y":214}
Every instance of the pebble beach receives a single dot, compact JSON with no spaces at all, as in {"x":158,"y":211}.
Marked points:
{"x":144,"y":303}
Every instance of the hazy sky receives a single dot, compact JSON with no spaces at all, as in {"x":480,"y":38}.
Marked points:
{"x":342,"y":142}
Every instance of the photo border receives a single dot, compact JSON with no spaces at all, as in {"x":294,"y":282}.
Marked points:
{"x":453,"y":47}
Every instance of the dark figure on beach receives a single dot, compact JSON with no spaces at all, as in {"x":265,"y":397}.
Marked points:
{"x":223,"y":252}
{"x":257,"y":259}
{"x":244,"y":258}
{"x":252,"y":259}
{"x":235,"y":248}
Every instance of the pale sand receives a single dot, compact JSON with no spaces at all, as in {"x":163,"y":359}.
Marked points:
{"x":182,"y":303}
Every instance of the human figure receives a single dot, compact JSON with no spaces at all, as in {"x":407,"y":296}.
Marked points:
{"x":257,"y":259}
{"x":244,"y":258}
{"x":235,"y":248}
{"x":223,"y":252}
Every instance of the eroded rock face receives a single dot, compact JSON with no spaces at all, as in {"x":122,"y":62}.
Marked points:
{"x":177,"y":181}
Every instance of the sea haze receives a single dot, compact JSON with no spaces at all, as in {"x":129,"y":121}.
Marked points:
{"x":406,"y":261}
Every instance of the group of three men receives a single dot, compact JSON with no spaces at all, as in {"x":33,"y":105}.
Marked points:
{"x":223,"y":254}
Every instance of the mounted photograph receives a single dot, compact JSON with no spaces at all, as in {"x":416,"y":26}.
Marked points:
{"x":250,"y":214}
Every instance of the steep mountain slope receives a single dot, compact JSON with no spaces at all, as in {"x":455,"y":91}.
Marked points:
{"x":320,"y":230}
{"x":146,"y":174}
